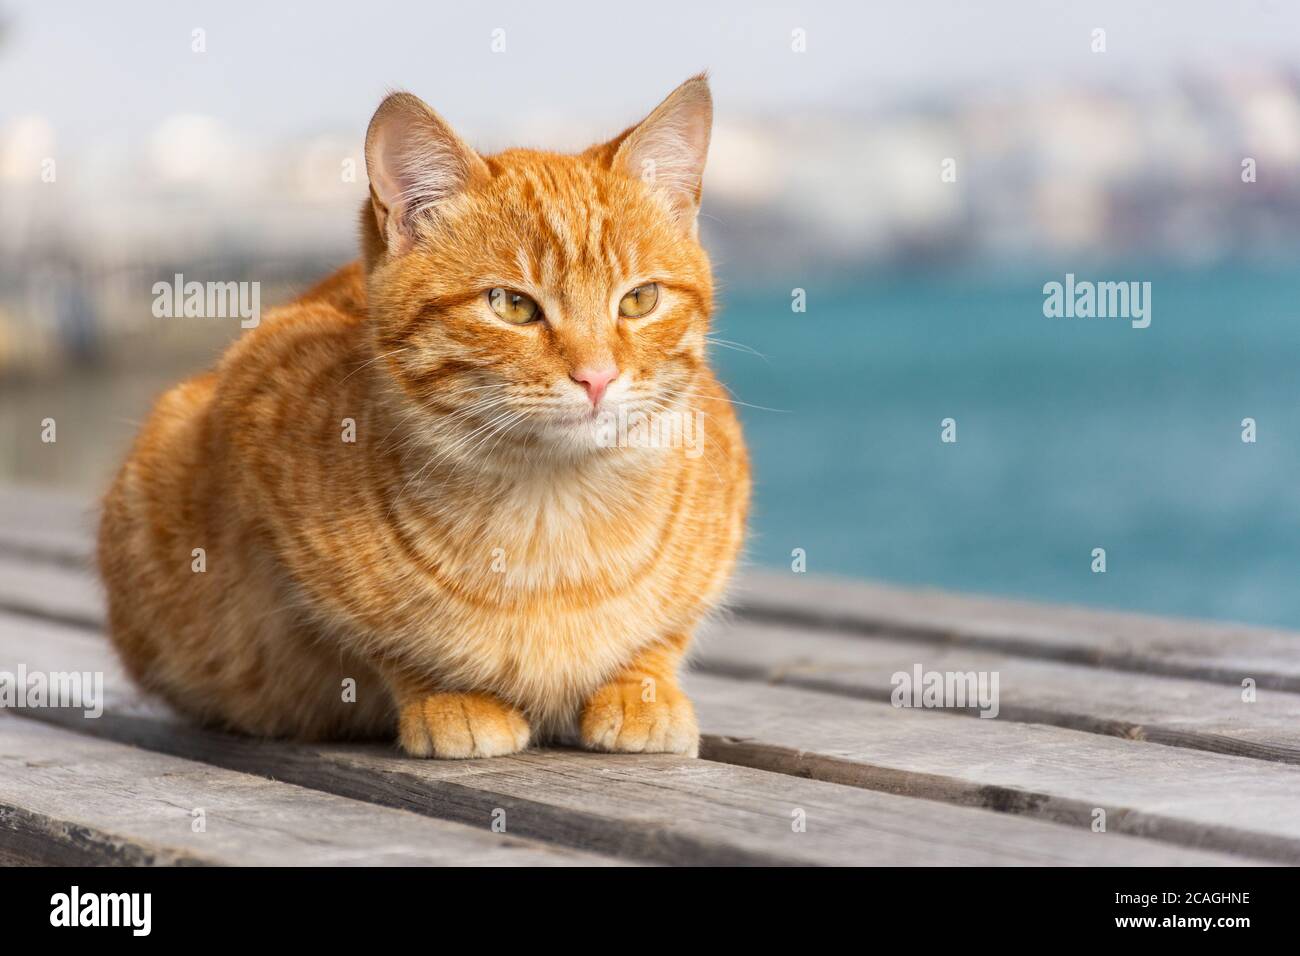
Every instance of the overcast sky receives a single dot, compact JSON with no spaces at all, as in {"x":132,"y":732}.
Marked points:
{"x":95,"y":68}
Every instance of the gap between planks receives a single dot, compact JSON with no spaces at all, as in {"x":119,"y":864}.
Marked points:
{"x":80,"y":603}
{"x":1184,"y":797}
{"x":1141,"y":707}
{"x":69,"y":799}
{"x":726,"y":813}
{"x":1177,"y":712}
{"x":1104,"y":640}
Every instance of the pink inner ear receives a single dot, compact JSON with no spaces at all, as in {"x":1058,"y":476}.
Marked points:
{"x":412,"y":172}
{"x":415,"y":161}
{"x":381,"y":179}
{"x":668,"y":150}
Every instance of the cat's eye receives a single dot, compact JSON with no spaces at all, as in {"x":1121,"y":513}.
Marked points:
{"x":640,"y":301}
{"x":515,"y":307}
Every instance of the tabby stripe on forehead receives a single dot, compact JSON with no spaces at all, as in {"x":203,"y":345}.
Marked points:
{"x":556,"y":220}
{"x":595,"y":246}
{"x":613,"y":255}
{"x":543,"y":248}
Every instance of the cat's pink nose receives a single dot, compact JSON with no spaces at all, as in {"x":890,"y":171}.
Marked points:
{"x":595,"y":380}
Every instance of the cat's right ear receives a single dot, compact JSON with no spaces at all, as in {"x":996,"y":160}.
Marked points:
{"x":415,"y":162}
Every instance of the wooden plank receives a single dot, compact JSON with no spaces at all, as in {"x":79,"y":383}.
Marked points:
{"x":1170,"y":828}
{"x":1180,"y":712}
{"x":72,"y":595}
{"x":1220,"y":652}
{"x":1168,"y":710}
{"x":48,"y":526}
{"x":1183,"y":796}
{"x":646,"y":807}
{"x":71,"y":799}
{"x":668,"y":809}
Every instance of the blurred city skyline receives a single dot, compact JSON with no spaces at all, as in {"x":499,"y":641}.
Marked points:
{"x":817,"y":156}
{"x":574,"y":60}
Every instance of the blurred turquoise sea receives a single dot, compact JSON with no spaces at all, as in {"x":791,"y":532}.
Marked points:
{"x":1073,"y":434}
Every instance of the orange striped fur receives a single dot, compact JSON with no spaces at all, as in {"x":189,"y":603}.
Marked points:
{"x":485,"y":572}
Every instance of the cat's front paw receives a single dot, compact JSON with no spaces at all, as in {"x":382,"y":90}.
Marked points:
{"x":461,"y":726}
{"x":640,"y":716}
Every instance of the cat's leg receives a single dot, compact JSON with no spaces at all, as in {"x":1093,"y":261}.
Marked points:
{"x":456,"y":725}
{"x":643,"y":710}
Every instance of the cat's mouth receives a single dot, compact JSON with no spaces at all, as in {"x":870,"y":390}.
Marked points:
{"x":576,"y":418}
{"x":587,"y":427}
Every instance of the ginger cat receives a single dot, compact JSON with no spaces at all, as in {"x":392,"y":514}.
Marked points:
{"x":408,"y":524}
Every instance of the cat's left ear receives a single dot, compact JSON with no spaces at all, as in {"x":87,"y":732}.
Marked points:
{"x":667,"y":150}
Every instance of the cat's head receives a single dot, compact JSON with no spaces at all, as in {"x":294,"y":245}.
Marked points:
{"x":528,"y":293}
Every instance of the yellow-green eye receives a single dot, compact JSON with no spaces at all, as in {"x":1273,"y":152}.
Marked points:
{"x":640,"y":301}
{"x":515,"y":307}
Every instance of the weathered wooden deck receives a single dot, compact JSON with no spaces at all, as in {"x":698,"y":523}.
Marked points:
{"x":1142,"y":718}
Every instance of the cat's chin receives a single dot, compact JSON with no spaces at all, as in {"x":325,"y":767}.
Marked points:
{"x":612,"y":429}
{"x":575,"y":432}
